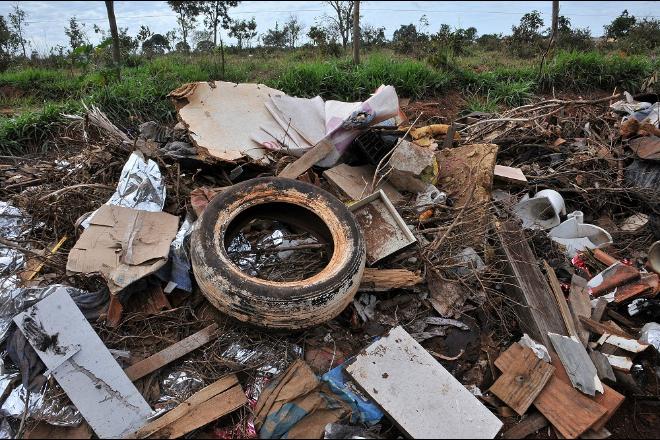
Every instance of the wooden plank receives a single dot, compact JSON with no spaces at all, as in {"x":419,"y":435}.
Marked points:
{"x":537,"y":310}
{"x":599,"y":310}
{"x":355,"y":182}
{"x":601,"y":328}
{"x":171,"y":353}
{"x":579,"y":305}
{"x":307,"y":160}
{"x":523,"y":381}
{"x":578,"y":365}
{"x":570,"y":411}
{"x":413,"y":389}
{"x":509,"y":174}
{"x":218,"y":388}
{"x":610,"y":399}
{"x":529,"y":425}
{"x":621,"y":363}
{"x":630,"y":345}
{"x":561,"y":300}
{"x":378,"y":280}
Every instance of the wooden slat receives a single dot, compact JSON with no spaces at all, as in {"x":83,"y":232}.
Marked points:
{"x":529,"y":425}
{"x":599,"y":309}
{"x":537,"y":310}
{"x":307,"y":160}
{"x":601,"y":328}
{"x":579,"y":305}
{"x":561,"y":300}
{"x":522,"y":381}
{"x":509,"y":174}
{"x":171,"y":353}
{"x":191,"y":405}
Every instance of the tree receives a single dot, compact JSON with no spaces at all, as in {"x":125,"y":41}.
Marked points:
{"x":292,"y":30}
{"x":76,"y":33}
{"x":204,"y":46}
{"x":186,"y":15}
{"x":143,"y":34}
{"x":155,"y":45}
{"x":406,"y":37}
{"x":526,"y":39}
{"x":6,"y":44}
{"x":343,"y":19}
{"x":570,"y":38}
{"x":317,"y":34}
{"x":110,"y":6}
{"x":243,"y":31}
{"x":276,"y":38}
{"x":620,"y":26}
{"x":372,"y":36}
{"x":18,"y":24}
{"x":216,"y":14}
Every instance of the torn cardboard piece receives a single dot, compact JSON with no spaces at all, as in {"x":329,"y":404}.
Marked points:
{"x":418,"y":393}
{"x":123,"y":245}
{"x":83,"y":366}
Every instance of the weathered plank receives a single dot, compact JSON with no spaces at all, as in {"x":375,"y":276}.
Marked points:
{"x":561,"y":300}
{"x":579,"y":305}
{"x":307,"y":160}
{"x":602,"y":328}
{"x":171,"y":353}
{"x":210,"y":403}
{"x":355,"y":182}
{"x":599,"y":310}
{"x":378,"y":280}
{"x":522,"y":381}
{"x":538,"y":310}
{"x":577,"y":363}
{"x":603,"y":367}
{"x":413,"y":389}
{"x":529,"y":425}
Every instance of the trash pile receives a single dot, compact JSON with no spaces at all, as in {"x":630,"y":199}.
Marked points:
{"x":283,"y":267}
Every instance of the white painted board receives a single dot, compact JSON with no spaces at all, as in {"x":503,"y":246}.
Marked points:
{"x":418,"y":393}
{"x":91,"y":377}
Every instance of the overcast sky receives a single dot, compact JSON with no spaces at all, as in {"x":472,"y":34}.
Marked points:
{"x":47,"y":19}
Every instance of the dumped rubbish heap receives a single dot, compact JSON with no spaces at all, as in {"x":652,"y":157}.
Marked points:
{"x":274,"y":266}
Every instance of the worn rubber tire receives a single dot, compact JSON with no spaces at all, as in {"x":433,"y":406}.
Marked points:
{"x":283,"y":305}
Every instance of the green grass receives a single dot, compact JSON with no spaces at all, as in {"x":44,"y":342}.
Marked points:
{"x":490,"y":81}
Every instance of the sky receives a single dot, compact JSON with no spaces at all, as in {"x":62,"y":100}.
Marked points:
{"x":47,"y":19}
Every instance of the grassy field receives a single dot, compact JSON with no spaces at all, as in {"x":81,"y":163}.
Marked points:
{"x":37,"y":97}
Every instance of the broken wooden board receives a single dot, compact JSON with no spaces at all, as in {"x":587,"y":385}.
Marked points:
{"x":626,"y":344}
{"x":578,"y":365}
{"x":382,"y":280}
{"x":561,"y":300}
{"x":209,"y":404}
{"x":171,"y":353}
{"x":579,"y":305}
{"x":615,"y":275}
{"x":83,"y":366}
{"x":602,"y":328}
{"x":538,"y":310}
{"x":413,"y":389}
{"x":620,"y":363}
{"x":568,"y":410}
{"x":529,"y":425}
{"x":355,"y":182}
{"x":647,"y":286}
{"x":220,"y":117}
{"x":522,"y":381}
{"x":307,"y":160}
{"x":510,"y":174}
{"x":598,"y":310}
{"x":610,"y":399}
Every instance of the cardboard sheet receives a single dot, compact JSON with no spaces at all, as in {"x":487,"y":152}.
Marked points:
{"x":123,"y":245}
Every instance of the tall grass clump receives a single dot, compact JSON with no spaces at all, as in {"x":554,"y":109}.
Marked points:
{"x":47,"y":84}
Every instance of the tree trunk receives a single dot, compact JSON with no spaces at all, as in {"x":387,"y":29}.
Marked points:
{"x":109,"y":4}
{"x":222,"y":56}
{"x":356,"y":32}
{"x":555,"y":21}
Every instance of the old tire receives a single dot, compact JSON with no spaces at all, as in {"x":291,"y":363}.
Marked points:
{"x":284,"y":305}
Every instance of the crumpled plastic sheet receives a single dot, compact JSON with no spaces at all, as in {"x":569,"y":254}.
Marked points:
{"x":13,"y":223}
{"x":5,"y":429}
{"x":650,"y":334}
{"x":178,"y":268}
{"x":342,"y":431}
{"x":42,"y":406}
{"x":140,"y":186}
{"x":179,"y":385}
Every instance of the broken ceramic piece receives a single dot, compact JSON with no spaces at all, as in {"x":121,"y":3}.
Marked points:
{"x":575,"y":235}
{"x":541,"y":211}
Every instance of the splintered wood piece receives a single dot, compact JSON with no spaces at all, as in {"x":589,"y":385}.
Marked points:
{"x":509,"y":174}
{"x":210,"y":403}
{"x":602,"y":328}
{"x":598,"y":310}
{"x":579,"y":305}
{"x":523,"y":381}
{"x":602,"y":365}
{"x":561,"y":301}
{"x":171,"y":353}
{"x":529,"y":425}
{"x":377,"y":280}
{"x":307,"y":160}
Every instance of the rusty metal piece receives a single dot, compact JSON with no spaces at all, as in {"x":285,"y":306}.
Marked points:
{"x":284,"y":305}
